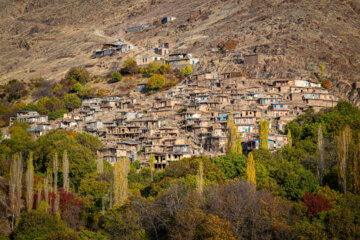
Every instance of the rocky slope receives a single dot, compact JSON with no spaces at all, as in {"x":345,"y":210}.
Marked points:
{"x":46,"y":38}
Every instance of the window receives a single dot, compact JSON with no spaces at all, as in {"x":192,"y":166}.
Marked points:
{"x":276,"y":101}
{"x":281,"y":106}
{"x":274,"y":106}
{"x":263,"y":101}
{"x":272,"y":101}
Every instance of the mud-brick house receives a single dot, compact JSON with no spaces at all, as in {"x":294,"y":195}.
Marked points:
{"x":181,"y":59}
{"x":268,"y":100}
{"x":67,"y":124}
{"x":148,"y":123}
{"x":275,"y":141}
{"x":278,"y":109}
{"x":145,"y":60}
{"x":111,"y":154}
{"x":30,"y":117}
{"x":131,"y":148}
{"x":126,"y":131}
{"x":109,"y":103}
{"x":163,"y":159}
{"x":319,"y":101}
{"x":216,"y":144}
{"x":40,"y":129}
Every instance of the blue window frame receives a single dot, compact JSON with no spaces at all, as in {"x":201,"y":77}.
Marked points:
{"x":275,"y":106}
{"x":263,"y":101}
{"x":276,"y":101}
{"x":281,"y":106}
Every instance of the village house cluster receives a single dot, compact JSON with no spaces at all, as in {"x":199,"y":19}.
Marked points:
{"x":190,"y":118}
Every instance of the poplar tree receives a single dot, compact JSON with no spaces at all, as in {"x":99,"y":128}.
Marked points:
{"x":55,"y":172}
{"x":343,"y":142}
{"x":200,"y":178}
{"x":46,"y":187}
{"x":320,"y":145}
{"x":152,"y":166}
{"x":357,"y":167}
{"x":239,"y":149}
{"x":250,"y":169}
{"x":231,"y":132}
{"x":29,"y":175}
{"x":121,"y":171}
{"x":289,"y":138}
{"x":100,"y":164}
{"x":264,"y":134}
{"x":38,"y":199}
{"x":15,"y":186}
{"x":66,"y":183}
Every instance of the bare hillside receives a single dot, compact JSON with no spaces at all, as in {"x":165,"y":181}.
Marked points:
{"x":46,"y":38}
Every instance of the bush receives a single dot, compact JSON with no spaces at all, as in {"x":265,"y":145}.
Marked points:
{"x":155,"y":82}
{"x":37,"y":225}
{"x":77,"y":74}
{"x":116,"y":77}
{"x":186,"y":71}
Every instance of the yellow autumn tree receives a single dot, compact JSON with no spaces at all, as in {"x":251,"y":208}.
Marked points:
{"x":231,"y":145}
{"x":239,"y":149}
{"x":289,"y":138}
{"x":121,"y":171}
{"x":264,"y":134}
{"x":250,"y":169}
{"x":152,"y":166}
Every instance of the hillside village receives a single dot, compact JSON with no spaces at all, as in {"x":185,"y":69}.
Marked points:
{"x":190,"y":118}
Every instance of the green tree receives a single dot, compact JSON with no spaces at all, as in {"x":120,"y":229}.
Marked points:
{"x":89,"y":235}
{"x":71,"y":101}
{"x":165,"y":68}
{"x":116,"y":77}
{"x":155,"y":82}
{"x":232,"y":165}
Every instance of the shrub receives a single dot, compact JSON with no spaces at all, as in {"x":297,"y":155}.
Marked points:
{"x":155,"y":82}
{"x":116,"y":77}
{"x":165,"y":68}
{"x":37,"y":225}
{"x":77,"y":87}
{"x":326,"y":84}
{"x":315,"y":204}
